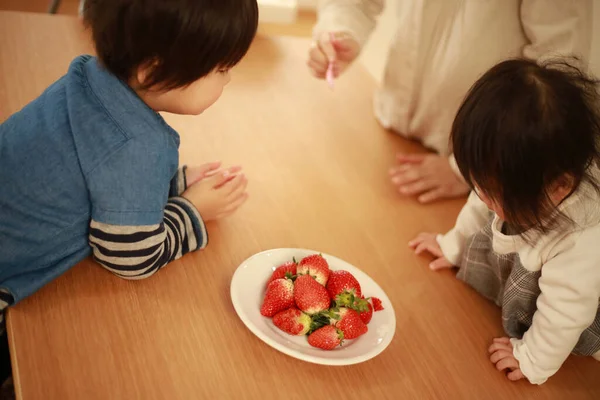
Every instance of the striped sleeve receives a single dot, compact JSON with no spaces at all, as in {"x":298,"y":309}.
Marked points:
{"x":6,"y":299}
{"x":178,"y":183}
{"x":137,"y":252}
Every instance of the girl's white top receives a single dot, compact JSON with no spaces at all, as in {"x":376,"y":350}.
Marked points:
{"x":569,"y":260}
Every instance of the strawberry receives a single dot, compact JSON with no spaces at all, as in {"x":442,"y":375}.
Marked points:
{"x":293,"y":321}
{"x":377,"y":306}
{"x":342,"y":281}
{"x":366,"y":316}
{"x":326,"y":338}
{"x":316,"y":266}
{"x":278,"y":297}
{"x":350,"y":323}
{"x":309,"y":296}
{"x":287,"y":270}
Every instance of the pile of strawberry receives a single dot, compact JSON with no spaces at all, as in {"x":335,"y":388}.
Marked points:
{"x":307,"y":298}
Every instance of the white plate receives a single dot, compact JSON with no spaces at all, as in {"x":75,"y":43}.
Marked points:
{"x":247,"y":292}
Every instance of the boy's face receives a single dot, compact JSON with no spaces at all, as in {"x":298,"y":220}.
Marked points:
{"x":189,"y":100}
{"x":198,"y":96}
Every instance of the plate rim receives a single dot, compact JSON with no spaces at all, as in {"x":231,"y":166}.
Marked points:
{"x":294,"y":353}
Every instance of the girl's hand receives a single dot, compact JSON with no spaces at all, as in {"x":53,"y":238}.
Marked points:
{"x":338,"y":48}
{"x":427,"y":242}
{"x":196,"y":173}
{"x":501,"y":354}
{"x":218,"y":195}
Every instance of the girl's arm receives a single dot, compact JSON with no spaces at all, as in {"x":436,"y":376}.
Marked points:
{"x":137,"y":252}
{"x":472,"y":219}
{"x":355,"y":17}
{"x":567,"y":305}
{"x":557,"y":28}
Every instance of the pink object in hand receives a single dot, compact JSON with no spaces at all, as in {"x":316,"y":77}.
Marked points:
{"x":329,"y":76}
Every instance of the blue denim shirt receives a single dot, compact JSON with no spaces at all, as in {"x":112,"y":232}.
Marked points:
{"x":87,"y":148}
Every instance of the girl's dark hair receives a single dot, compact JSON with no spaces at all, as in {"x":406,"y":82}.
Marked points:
{"x":522,"y":128}
{"x":181,"y":40}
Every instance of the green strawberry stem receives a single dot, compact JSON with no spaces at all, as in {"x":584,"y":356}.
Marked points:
{"x":349,"y":300}
{"x":318,"y":320}
{"x":291,"y":277}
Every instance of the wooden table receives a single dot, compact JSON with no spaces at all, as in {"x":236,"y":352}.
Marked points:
{"x":317,"y":163}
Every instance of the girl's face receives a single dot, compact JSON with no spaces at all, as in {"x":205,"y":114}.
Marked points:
{"x":491,"y":204}
{"x":557,"y":193}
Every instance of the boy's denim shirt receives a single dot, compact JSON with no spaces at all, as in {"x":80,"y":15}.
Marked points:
{"x":87,"y":148}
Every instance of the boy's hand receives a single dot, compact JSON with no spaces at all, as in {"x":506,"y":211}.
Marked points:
{"x":501,"y":354}
{"x":338,"y":48}
{"x":427,"y":176}
{"x":196,"y":173}
{"x":427,"y":242}
{"x":218,"y":195}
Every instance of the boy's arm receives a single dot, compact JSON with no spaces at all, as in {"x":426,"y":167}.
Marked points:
{"x":471,"y":219}
{"x":135,"y":227}
{"x":567,"y":306}
{"x":137,"y":252}
{"x":357,"y":17}
{"x":557,"y":28}
{"x":178,"y":183}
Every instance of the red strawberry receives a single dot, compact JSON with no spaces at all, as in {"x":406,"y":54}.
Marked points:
{"x":377,"y":306}
{"x":351,"y":324}
{"x":366,"y":316}
{"x":310,"y":297}
{"x":342,"y":281}
{"x":292,"y":321}
{"x":316,"y":266}
{"x":287,"y":270}
{"x":279,"y":297}
{"x":326,"y":338}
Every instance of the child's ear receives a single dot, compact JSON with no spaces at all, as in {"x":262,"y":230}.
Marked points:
{"x":144,"y":71}
{"x":562,"y":187}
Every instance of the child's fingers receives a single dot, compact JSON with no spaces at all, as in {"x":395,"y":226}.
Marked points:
{"x":499,"y":346}
{"x":235,"y":204}
{"x":317,"y":55}
{"x":414,"y":243}
{"x":238,"y":191}
{"x":317,"y":70}
{"x":431,"y":196}
{"x":515,"y":375}
{"x":416,"y":187}
{"x":504,"y":340}
{"x":232,"y":170}
{"x":434,"y":248}
{"x":410,"y":158}
{"x":232,"y":186}
{"x":218,"y":179}
{"x":421,"y":247}
{"x":327,"y":47}
{"x":440,"y":263}
{"x":499,"y":355}
{"x":507,"y":363}
{"x":209,"y":168}
{"x":399,"y":169}
{"x":421,"y":237}
{"x":407,"y":177}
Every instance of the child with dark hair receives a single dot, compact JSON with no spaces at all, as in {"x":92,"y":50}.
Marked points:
{"x":91,"y":167}
{"x":526,"y":140}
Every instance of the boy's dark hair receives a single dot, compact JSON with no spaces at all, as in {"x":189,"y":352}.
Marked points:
{"x":181,"y":40}
{"x":522,"y":128}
